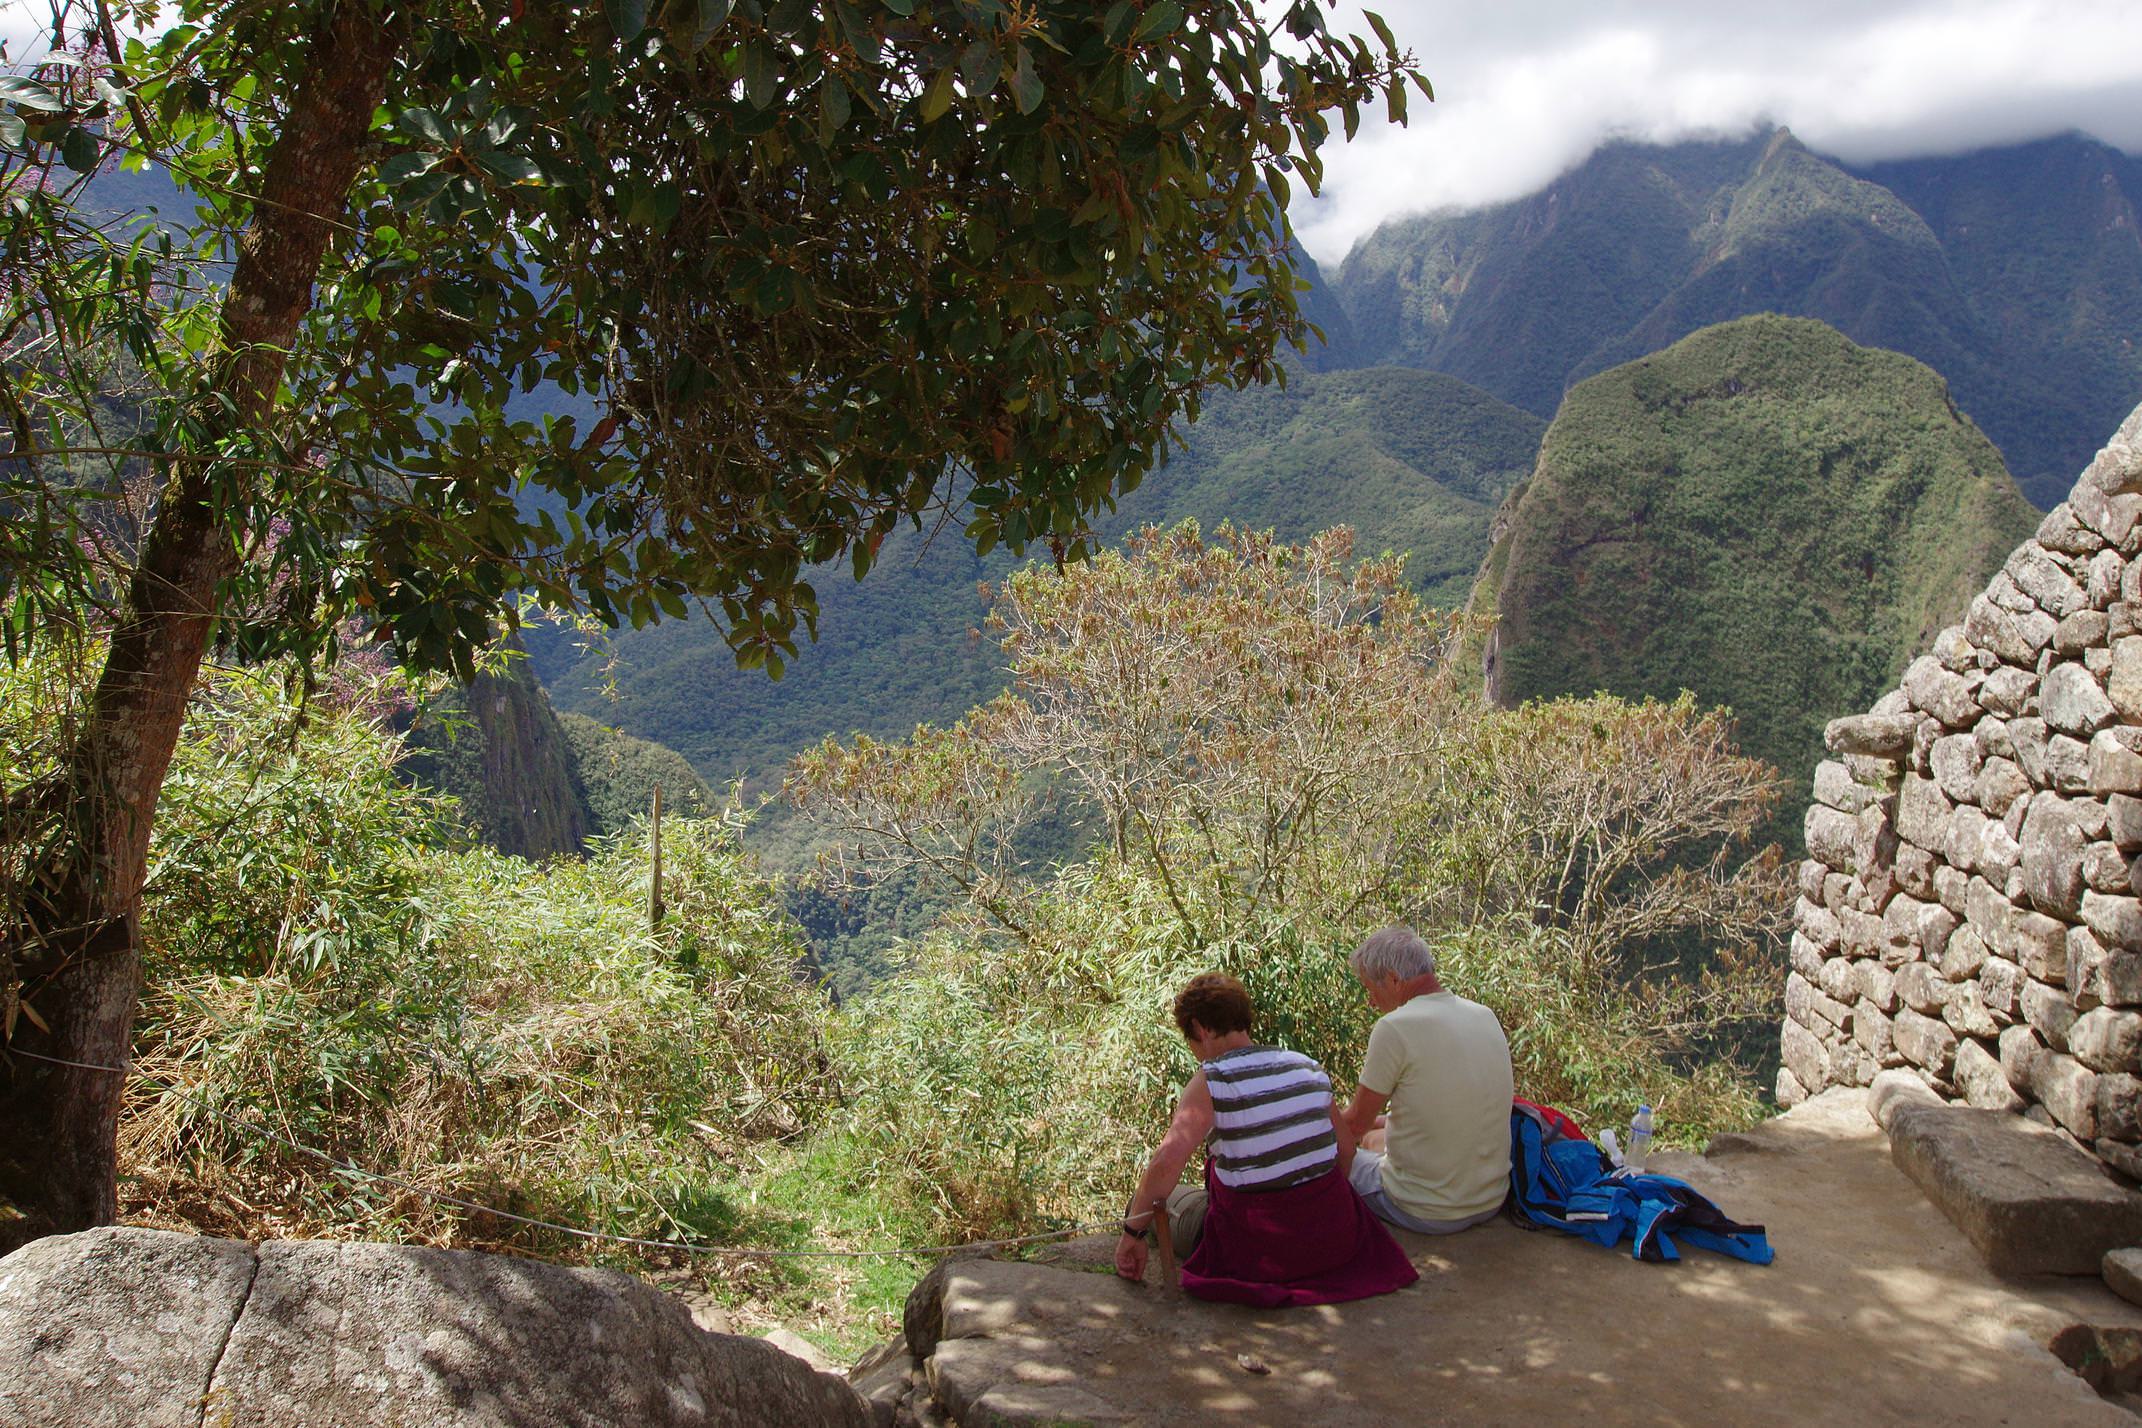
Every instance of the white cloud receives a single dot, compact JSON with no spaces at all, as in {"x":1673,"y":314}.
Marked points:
{"x":1528,"y":88}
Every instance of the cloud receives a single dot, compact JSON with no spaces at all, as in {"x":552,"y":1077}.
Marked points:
{"x":1527,"y":89}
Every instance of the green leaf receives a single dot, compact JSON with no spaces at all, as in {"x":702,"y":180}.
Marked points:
{"x":978,"y":67}
{"x":1026,"y":85}
{"x":1394,"y":103}
{"x":712,"y":15}
{"x":1383,"y":31}
{"x":1160,"y":21}
{"x":1118,"y":21}
{"x":833,"y":108}
{"x":627,"y":17}
{"x":428,"y":126}
{"x":938,"y":97}
{"x":80,"y":150}
{"x":11,"y":130}
{"x":902,"y":8}
{"x":513,"y":168}
{"x":28,"y":94}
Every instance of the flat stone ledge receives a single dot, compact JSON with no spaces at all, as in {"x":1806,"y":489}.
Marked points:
{"x":2028,"y":1202}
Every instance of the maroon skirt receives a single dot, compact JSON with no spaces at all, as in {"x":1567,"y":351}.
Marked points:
{"x":1313,"y":1243}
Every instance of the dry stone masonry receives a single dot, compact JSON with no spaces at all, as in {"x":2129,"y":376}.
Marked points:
{"x":1970,"y":910}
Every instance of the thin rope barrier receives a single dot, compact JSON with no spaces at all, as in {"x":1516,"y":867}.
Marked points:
{"x":276,"y":1137}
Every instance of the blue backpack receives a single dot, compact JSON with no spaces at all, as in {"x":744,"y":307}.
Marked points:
{"x":1561,"y":1181}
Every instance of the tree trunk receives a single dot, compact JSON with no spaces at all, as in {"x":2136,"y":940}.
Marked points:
{"x":80,"y":958}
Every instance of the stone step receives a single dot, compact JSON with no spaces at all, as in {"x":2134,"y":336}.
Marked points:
{"x":2028,"y":1201}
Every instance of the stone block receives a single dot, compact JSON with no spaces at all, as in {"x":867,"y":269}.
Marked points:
{"x":1831,"y":837}
{"x":2121,"y":1156}
{"x":2040,"y":946}
{"x":1998,"y":854}
{"x":1967,"y":826}
{"x":2124,"y":683}
{"x":2106,"y":869}
{"x":2098,"y":660}
{"x":1964,"y":955}
{"x":1923,"y":812}
{"x":2112,"y":517}
{"x":1839,"y":980}
{"x":1968,"y":1014}
{"x":1980,"y":1078}
{"x":1922,"y":988}
{"x":2062,"y":532}
{"x":2052,"y":847}
{"x":2101,"y":976}
{"x":1862,"y":932}
{"x":1991,"y":736}
{"x":2114,"y":767}
{"x":2006,"y":690}
{"x":2116,"y":920}
{"x":1940,"y":692}
{"x":1788,"y":1089}
{"x":1872,"y":1032}
{"x":2067,"y":764}
{"x":1877,"y":986}
{"x":2049,"y":1013}
{"x":1954,"y":650}
{"x":2107,"y":1039}
{"x":2123,"y":816}
{"x":1952,"y":886}
{"x":2079,"y":632}
{"x":1805,"y":1055}
{"x":2068,"y":1090}
{"x":1819,"y":923}
{"x":1837,"y":788}
{"x":2048,"y":584}
{"x":1924,"y":1041}
{"x":1892,"y":1089}
{"x":2020,"y":1049}
{"x":1806,"y":958}
{"x":1808,"y":1005}
{"x":2122,"y":1270}
{"x":2071,"y":701}
{"x":2028,"y":1202}
{"x":2000,"y":986}
{"x":2119,"y":1107}
{"x":2028,"y":737}
{"x":1882,"y":736}
{"x":1998,"y":785}
{"x":1914,"y":869}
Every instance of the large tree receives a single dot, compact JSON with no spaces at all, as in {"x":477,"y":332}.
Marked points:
{"x":796,"y":271}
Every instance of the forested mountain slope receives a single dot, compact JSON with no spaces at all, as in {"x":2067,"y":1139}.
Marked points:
{"x":2016,"y":273}
{"x":1766,"y":514}
{"x":1414,"y":460}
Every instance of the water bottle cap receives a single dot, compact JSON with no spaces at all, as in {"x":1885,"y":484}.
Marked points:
{"x":1644,"y":1106}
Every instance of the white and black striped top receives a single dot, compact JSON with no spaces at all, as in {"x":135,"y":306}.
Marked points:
{"x":1271,"y":1113}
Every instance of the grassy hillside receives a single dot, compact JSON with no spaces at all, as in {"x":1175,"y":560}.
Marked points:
{"x":1765,"y":514}
{"x":2016,"y":273}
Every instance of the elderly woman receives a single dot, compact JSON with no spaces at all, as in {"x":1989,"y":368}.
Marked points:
{"x":1277,"y":1221}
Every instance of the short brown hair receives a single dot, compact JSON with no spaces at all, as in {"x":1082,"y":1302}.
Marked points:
{"x":1215,"y":1001}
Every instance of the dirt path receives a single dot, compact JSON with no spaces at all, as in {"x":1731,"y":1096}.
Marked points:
{"x":1876,"y":1312}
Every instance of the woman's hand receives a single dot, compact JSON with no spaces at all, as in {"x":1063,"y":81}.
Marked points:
{"x":1130,"y":1257}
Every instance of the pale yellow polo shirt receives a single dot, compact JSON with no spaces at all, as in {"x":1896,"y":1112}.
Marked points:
{"x":1445,"y":1064}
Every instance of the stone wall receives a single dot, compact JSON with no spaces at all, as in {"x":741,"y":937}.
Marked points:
{"x":1971,"y":906}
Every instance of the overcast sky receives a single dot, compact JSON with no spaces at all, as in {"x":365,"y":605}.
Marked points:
{"x":1525,"y":89}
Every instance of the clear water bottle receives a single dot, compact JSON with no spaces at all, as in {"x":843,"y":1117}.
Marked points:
{"x":1639,"y":1149}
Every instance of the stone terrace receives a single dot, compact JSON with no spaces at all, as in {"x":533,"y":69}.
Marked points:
{"x":1969,"y":908}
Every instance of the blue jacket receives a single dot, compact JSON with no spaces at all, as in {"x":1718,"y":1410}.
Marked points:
{"x":1565,"y":1183}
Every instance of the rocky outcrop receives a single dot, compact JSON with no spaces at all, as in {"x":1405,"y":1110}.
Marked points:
{"x":144,"y":1329}
{"x":1969,"y":910}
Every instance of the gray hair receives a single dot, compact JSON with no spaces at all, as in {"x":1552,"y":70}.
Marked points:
{"x":1394,"y":952}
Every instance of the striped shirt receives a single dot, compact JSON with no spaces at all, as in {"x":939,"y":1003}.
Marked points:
{"x":1271,"y":1115}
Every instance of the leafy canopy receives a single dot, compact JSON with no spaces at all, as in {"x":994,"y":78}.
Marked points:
{"x":801,"y":270}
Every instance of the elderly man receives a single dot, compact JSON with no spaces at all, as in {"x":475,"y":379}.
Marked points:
{"x":1442,"y":1066}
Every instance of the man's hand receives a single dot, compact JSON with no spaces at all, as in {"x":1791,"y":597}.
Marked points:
{"x":1130,"y":1257}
